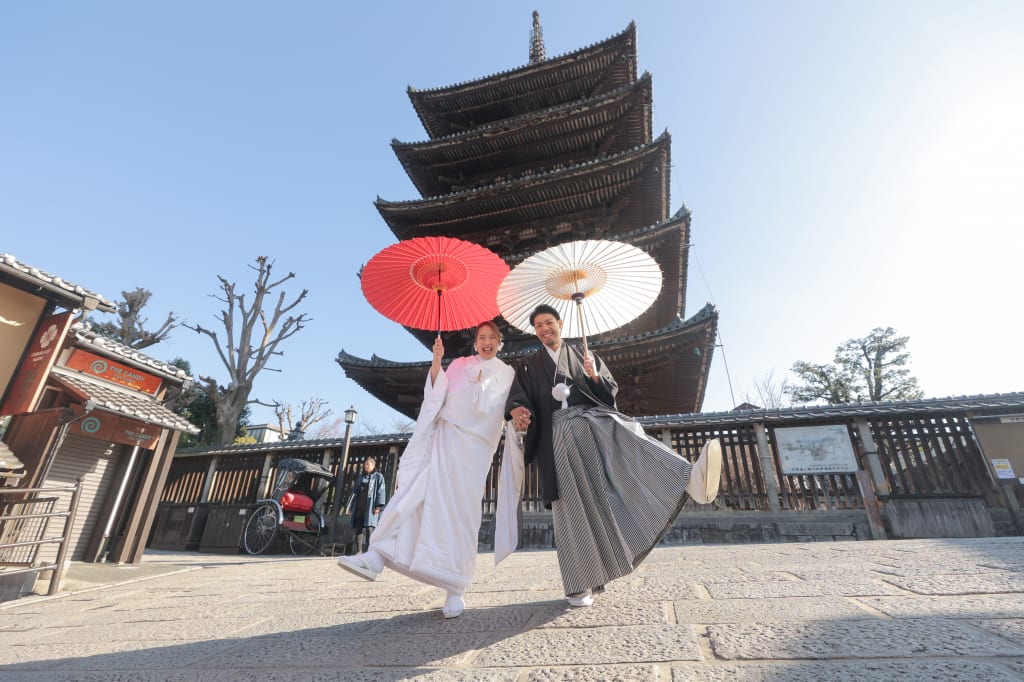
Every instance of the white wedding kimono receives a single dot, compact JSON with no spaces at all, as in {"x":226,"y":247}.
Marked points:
{"x":429,"y":530}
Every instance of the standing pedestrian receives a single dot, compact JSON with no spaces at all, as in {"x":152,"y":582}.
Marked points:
{"x":368,"y":499}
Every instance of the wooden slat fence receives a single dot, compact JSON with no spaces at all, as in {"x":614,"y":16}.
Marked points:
{"x":935,"y":455}
{"x":921,"y":454}
{"x":236,"y":479}
{"x":186,"y":479}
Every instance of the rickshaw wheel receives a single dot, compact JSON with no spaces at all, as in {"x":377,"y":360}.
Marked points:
{"x":302,"y":544}
{"x":260,"y":529}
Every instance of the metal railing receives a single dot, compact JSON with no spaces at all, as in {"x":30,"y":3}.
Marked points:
{"x":24,"y":527}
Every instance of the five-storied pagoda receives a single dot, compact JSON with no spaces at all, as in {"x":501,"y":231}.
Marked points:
{"x":558,"y":150}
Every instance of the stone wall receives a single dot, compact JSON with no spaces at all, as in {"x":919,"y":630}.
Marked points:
{"x":717,"y":528}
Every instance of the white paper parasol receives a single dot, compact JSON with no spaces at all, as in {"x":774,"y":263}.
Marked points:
{"x":595,"y":286}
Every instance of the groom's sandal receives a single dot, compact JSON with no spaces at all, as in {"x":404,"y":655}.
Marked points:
{"x":358,"y":566}
{"x":706,"y":473}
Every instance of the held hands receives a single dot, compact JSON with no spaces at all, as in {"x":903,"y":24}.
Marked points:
{"x":520,"y":418}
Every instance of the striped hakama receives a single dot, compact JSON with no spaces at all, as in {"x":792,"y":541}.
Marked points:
{"x":619,"y":493}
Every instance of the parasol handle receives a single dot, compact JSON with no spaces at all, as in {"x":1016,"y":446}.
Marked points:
{"x":439,"y":311}
{"x":578,"y":298}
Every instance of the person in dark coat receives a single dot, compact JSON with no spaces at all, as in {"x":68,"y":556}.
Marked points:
{"x":368,"y":499}
{"x":613,"y":490}
{"x":533,"y":391}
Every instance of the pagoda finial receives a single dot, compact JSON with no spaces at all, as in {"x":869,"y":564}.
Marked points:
{"x":537,"y":53}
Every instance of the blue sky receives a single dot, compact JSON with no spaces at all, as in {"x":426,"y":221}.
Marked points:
{"x":848,"y":164}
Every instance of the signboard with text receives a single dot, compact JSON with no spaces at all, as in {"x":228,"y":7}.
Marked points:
{"x":29,"y":379}
{"x":1003,"y":468}
{"x":116,"y":429}
{"x":815,"y":450}
{"x":94,"y":365}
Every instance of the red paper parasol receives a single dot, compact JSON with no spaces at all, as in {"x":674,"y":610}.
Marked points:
{"x":436,"y":283}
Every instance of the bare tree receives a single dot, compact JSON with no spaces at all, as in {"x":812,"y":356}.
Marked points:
{"x":769,"y":393}
{"x":130,"y":327}
{"x":401,"y":425}
{"x":307,"y":414}
{"x":396,"y":425}
{"x":252,"y":338}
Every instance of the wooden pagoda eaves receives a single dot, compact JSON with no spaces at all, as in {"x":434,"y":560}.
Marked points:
{"x":661,"y":371}
{"x":564,"y":135}
{"x":584,"y":73}
{"x":638,"y":179}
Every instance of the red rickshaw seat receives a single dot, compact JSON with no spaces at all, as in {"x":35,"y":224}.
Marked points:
{"x":296,"y":502}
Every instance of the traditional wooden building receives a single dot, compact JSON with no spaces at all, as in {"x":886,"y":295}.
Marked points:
{"x":78,"y":407}
{"x":559,"y":150}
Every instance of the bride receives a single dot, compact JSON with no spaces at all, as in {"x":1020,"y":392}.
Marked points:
{"x":429,"y":530}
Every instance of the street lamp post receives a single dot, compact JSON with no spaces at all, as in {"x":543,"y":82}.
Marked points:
{"x":339,"y":479}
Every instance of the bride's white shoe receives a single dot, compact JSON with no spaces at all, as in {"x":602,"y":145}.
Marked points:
{"x":358,"y":565}
{"x":453,"y":607}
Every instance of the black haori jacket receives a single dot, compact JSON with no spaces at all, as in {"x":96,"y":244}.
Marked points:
{"x":535,"y":378}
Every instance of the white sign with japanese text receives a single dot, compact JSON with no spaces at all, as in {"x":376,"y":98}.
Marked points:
{"x":815,"y":450}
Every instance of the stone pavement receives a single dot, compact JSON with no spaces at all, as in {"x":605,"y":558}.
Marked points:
{"x":907,"y":610}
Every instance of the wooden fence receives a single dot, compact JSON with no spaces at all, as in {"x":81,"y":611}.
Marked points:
{"x":920,"y":448}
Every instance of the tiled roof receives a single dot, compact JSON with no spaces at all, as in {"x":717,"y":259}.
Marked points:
{"x":123,"y":401}
{"x":993,"y":401}
{"x":554,"y":193}
{"x":294,"y":445}
{"x":606,"y":64}
{"x":69,"y":293}
{"x":987,"y":402}
{"x":97,"y":343}
{"x":666,"y":353}
{"x":614,"y":122}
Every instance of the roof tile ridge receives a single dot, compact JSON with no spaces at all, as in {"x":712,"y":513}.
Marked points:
{"x":611,"y":94}
{"x":12,"y":262}
{"x":98,"y":341}
{"x":629,"y":30}
{"x":604,"y":158}
{"x":374,"y":361}
{"x":963,"y":402}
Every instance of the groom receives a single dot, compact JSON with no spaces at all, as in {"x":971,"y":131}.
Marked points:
{"x":602,"y":477}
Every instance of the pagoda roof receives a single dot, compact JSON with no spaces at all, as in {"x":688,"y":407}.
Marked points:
{"x":577,"y":75}
{"x":661,"y":371}
{"x":611,"y":122}
{"x":634,"y":184}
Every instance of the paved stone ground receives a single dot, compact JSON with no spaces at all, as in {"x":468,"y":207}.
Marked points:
{"x":907,"y":610}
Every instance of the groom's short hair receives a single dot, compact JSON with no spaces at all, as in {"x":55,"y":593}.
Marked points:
{"x":542,"y":309}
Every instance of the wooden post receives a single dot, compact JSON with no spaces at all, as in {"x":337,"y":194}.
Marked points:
{"x":867,"y":493}
{"x":261,"y":486}
{"x":871,"y":458}
{"x":204,"y":496}
{"x":771,"y":481}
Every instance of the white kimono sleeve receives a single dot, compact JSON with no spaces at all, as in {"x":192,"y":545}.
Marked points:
{"x":510,"y":491}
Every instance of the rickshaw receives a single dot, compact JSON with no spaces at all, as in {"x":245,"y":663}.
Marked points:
{"x":293,"y":510}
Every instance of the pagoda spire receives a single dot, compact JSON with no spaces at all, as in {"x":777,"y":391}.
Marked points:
{"x":537,"y":53}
